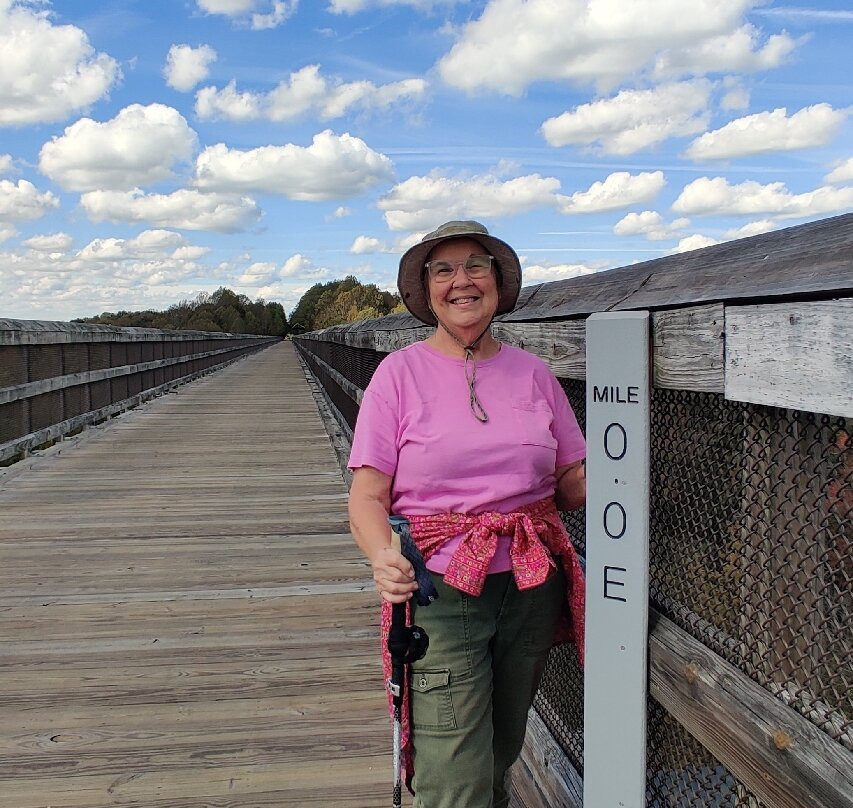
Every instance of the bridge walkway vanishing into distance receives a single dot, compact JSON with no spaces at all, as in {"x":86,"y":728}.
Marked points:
{"x":184,"y":618}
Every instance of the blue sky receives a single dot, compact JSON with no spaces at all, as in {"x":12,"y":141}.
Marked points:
{"x":153,"y":150}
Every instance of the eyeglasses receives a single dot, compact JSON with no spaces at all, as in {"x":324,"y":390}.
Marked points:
{"x":475,"y":267}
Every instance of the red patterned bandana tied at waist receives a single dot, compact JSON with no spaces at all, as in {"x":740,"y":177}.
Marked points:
{"x":538,"y":541}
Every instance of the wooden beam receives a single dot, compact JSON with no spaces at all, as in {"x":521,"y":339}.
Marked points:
{"x":543,"y":777}
{"x":795,"y":355}
{"x":352,"y":390}
{"x":779,"y":755}
{"x":49,"y":332}
{"x":561,"y":344}
{"x":813,"y":259}
{"x":37,"y":388}
{"x":774,"y":751}
{"x":689,"y":348}
{"x":51,"y":433}
{"x":688,"y":344}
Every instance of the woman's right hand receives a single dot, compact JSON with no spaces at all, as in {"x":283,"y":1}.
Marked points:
{"x":393,"y":575}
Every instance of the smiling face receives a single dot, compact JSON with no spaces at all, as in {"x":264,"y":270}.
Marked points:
{"x":464,"y":305}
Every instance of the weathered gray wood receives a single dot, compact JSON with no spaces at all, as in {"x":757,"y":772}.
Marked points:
{"x":352,"y":390}
{"x":184,"y":617}
{"x":56,"y":431}
{"x":543,"y":777}
{"x":688,"y":345}
{"x":337,"y":428}
{"x":49,"y":332}
{"x":795,"y":355}
{"x":19,"y":391}
{"x":561,"y":344}
{"x":779,"y":755}
{"x":814,"y":259}
{"x":689,"y":348}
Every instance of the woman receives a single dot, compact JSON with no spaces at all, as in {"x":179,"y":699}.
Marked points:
{"x":474,"y":442}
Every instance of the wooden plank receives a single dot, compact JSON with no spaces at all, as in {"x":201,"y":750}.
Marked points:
{"x":19,"y":391}
{"x":796,"y":355}
{"x":543,"y":777}
{"x":562,"y":345}
{"x":779,"y":755}
{"x":184,"y":617}
{"x":688,"y":345}
{"x":689,"y":348}
{"x":26,"y":442}
{"x":50,"y":332}
{"x":352,"y":390}
{"x":814,"y":259}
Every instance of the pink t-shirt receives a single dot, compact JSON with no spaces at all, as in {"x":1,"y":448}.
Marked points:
{"x":416,"y":425}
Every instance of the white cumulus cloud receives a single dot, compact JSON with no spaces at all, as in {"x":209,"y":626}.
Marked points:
{"x":5,"y":163}
{"x":737,"y":51}
{"x":47,"y":71}
{"x":735,"y":98}
{"x":769,"y":132}
{"x":542,"y":273}
{"x":420,"y":203}
{"x":843,"y":172}
{"x":634,"y":119}
{"x":305,"y":92}
{"x":259,"y":15}
{"x":619,"y":190}
{"x":751,"y":229}
{"x":694,"y":242}
{"x":148,"y":244}
{"x":184,"y":209}
{"x":21,"y":201}
{"x":707,"y":196}
{"x":50,"y":243}
{"x":514,"y":43}
{"x":354,"y":6}
{"x":650,"y":224}
{"x":364,"y":245}
{"x":331,"y":167}
{"x":186,"y":66}
{"x":137,"y":147}
{"x":227,"y":103}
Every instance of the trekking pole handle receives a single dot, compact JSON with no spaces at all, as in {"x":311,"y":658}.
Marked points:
{"x":426,"y":592}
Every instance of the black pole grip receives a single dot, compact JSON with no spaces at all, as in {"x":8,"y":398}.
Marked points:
{"x":426,"y":592}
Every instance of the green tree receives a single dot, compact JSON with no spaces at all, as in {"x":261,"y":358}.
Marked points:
{"x":222,"y":310}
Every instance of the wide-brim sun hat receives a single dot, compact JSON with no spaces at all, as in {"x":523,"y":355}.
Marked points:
{"x":410,"y":279}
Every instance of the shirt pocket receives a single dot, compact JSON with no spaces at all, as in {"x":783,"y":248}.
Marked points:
{"x":533,"y":422}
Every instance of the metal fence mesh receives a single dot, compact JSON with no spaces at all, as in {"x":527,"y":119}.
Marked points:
{"x":751,"y":552}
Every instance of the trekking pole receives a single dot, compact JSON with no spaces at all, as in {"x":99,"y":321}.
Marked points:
{"x":406,"y":644}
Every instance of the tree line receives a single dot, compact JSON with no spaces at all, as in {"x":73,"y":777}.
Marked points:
{"x":222,"y":310}
{"x":341,"y":301}
{"x":324,"y":304}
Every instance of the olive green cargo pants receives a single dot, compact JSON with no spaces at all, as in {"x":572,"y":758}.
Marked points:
{"x":471,"y":693}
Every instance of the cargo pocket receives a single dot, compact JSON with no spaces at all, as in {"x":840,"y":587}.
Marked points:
{"x":432,"y":705}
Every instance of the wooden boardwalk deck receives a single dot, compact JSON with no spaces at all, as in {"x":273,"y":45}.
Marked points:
{"x":184,"y":619}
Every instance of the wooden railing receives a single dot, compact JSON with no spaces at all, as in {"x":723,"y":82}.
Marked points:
{"x":56,"y":378}
{"x":753,"y":338}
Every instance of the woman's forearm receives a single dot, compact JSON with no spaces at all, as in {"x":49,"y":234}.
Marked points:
{"x":369,"y":506}
{"x":368,"y":519}
{"x":571,"y":487}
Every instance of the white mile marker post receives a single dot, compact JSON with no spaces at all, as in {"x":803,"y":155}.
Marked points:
{"x":617,"y":561}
